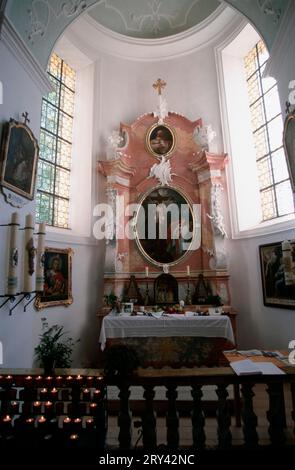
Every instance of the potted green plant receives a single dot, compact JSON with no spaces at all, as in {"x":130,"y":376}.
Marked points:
{"x":53,"y":349}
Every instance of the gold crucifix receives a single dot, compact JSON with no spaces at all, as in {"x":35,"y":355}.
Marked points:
{"x":159,"y":85}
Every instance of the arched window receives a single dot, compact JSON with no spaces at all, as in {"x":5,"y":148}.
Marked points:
{"x":267,"y":127}
{"x":54,"y":167}
{"x":260,"y":194}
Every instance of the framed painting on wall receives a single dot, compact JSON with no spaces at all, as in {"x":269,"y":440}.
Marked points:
{"x":57,"y":278}
{"x":289,"y":145}
{"x":276,"y":293}
{"x":19,"y":158}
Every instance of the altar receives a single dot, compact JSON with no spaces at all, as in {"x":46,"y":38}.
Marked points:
{"x":175,"y":340}
{"x":165,"y":238}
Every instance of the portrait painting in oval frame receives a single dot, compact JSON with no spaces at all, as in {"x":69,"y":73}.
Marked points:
{"x":161,"y":140}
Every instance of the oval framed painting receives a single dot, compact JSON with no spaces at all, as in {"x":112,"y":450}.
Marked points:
{"x":165,"y":226}
{"x":161,"y":140}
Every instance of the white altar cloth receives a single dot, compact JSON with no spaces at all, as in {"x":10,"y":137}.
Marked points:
{"x":166,"y":326}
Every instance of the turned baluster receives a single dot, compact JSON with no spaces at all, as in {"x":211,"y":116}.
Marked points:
{"x":172,"y":418}
{"x":149,"y":433}
{"x":248,"y":416}
{"x":276,"y":414}
{"x":124,"y":417}
{"x":223,"y":418}
{"x":198,"y":418}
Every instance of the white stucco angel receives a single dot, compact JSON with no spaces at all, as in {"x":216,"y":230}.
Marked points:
{"x":162,"y":171}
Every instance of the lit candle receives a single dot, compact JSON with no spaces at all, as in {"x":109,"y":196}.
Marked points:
{"x":36,"y":406}
{"x":14,"y":407}
{"x":29,"y":265}
{"x":188,"y":270}
{"x":6,"y":423}
{"x":54,"y":393}
{"x":93,"y":407}
{"x":48,"y":407}
{"x":41,"y":421}
{"x":28,"y":377}
{"x":67,"y":422}
{"x":86,"y":393}
{"x":146,"y":271}
{"x":40,"y":259}
{"x":12,"y":278}
{"x":89,"y":423}
{"x":79,"y":377}
{"x":77,"y":424}
{"x":97,"y":395}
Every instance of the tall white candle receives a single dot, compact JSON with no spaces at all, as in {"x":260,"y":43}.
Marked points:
{"x":188,"y":270}
{"x":12,"y":278}
{"x":29,"y":254}
{"x":40,"y":259}
{"x":147,"y":271}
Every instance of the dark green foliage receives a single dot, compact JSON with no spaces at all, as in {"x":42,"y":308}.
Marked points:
{"x":52,"y":351}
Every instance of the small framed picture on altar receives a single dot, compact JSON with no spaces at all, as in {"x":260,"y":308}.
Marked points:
{"x":127,"y":308}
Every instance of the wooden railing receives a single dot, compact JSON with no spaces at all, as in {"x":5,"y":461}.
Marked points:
{"x":69,"y":410}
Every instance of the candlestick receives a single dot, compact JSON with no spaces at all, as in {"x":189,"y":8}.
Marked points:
{"x":29,"y":265}
{"x":40,"y":259}
{"x":146,"y":271}
{"x":12,"y":278}
{"x":188,"y":270}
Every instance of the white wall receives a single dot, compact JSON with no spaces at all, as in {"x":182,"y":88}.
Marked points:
{"x":126,"y":89}
{"x":19,"y":332}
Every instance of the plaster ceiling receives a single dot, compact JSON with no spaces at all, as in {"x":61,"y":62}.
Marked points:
{"x":150,"y":19}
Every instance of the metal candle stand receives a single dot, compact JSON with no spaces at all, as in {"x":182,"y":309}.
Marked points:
{"x":30,"y":296}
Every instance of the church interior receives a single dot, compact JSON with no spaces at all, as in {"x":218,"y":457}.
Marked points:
{"x":147,"y":227}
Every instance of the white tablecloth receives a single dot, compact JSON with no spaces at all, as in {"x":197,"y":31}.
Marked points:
{"x":166,"y":326}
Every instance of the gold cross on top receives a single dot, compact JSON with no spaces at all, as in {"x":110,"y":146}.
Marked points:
{"x":159,"y":85}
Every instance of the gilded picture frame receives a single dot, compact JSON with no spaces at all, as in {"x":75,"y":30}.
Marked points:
{"x":275,"y":291}
{"x":161,"y":140}
{"x":180,"y":241}
{"x":289,"y":145}
{"x":19,"y":159}
{"x":57,"y":278}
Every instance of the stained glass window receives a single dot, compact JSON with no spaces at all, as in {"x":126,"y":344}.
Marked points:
{"x":54,"y":168}
{"x":267,"y":126}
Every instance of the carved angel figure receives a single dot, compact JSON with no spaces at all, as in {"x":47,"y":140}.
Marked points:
{"x":162,"y":171}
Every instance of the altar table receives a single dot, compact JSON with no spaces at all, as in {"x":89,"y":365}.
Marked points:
{"x":175,"y":340}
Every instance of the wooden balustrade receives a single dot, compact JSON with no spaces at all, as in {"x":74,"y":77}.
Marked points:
{"x":70,"y":410}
